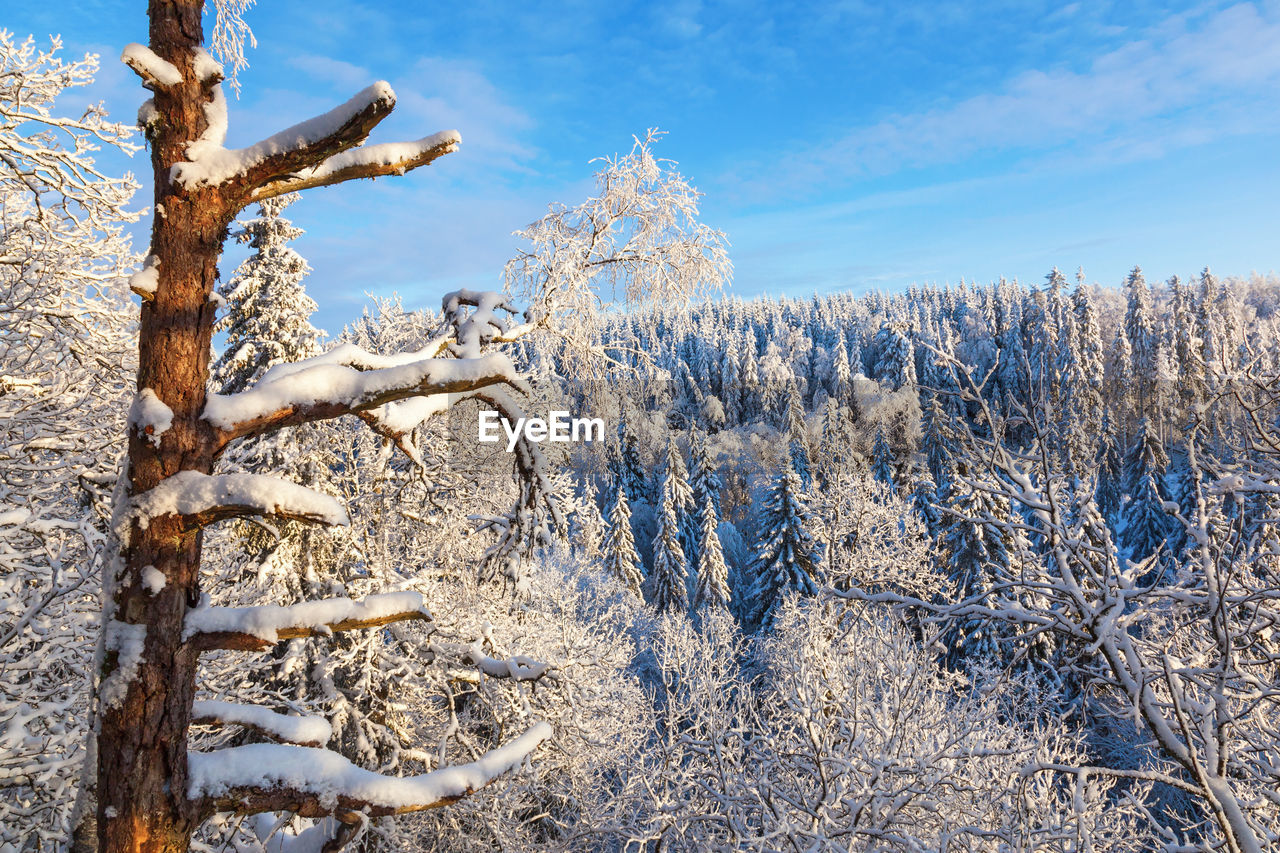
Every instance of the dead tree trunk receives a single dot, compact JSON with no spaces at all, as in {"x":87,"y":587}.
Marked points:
{"x":147,"y":679}
{"x":142,"y":770}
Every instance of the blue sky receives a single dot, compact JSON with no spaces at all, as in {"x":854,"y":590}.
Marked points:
{"x":840,"y":145}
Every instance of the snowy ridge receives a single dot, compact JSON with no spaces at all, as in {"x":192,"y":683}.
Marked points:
{"x":209,"y":163}
{"x":332,"y":778}
{"x":193,"y":493}
{"x":150,"y":67}
{"x":339,"y":385}
{"x":269,"y":622}
{"x":311,"y":731}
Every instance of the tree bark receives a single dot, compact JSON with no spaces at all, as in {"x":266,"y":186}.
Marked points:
{"x":142,"y":766}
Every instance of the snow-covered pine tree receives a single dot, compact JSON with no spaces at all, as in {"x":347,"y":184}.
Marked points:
{"x":979,"y":559}
{"x":630,"y":473}
{"x":705,"y":481}
{"x":1092,"y":357}
{"x":587,"y":527}
{"x":1109,"y":488}
{"x":1139,"y":329}
{"x":712,"y":587}
{"x":156,"y":623}
{"x":1147,"y":525}
{"x":267,"y":316}
{"x":668,"y":578}
{"x":677,"y":480}
{"x":620,"y":557}
{"x":798,"y":439}
{"x":787,"y":557}
{"x":882,"y":461}
{"x":894,"y":364}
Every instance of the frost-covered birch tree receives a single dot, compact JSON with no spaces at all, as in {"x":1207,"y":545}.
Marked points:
{"x":65,"y":361}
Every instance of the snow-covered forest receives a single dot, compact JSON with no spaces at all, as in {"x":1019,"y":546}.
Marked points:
{"x":969,"y":567}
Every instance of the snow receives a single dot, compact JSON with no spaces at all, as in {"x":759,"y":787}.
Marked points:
{"x":191,"y":493}
{"x":385,"y":154}
{"x":405,"y":415}
{"x":150,"y":417}
{"x":153,"y":579}
{"x":340,"y":385}
{"x":145,"y":281}
{"x":302,"y":730}
{"x":127,"y":641}
{"x":147,"y":113}
{"x":143,"y":60}
{"x":13,"y":517}
{"x":266,"y":621}
{"x":209,"y":163}
{"x":518,"y":668}
{"x":205,"y":66}
{"x":329,"y":776}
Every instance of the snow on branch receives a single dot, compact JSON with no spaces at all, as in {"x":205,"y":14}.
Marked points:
{"x":302,"y":146}
{"x":316,"y":782}
{"x":205,"y":498}
{"x":372,"y":161}
{"x":320,"y":391}
{"x":153,"y":70}
{"x":303,"y":731}
{"x":260,"y":627}
{"x":516,"y":667}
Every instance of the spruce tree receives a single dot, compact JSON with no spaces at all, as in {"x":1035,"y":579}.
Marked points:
{"x":979,"y":557}
{"x":670,"y":573}
{"x":1139,"y":328}
{"x":630,"y":472}
{"x":797,"y":439}
{"x":712,"y":588}
{"x":1147,"y":525}
{"x":882,"y":464}
{"x":895,"y":361}
{"x":706,"y":482}
{"x":620,"y":557}
{"x":1109,"y":490}
{"x":267,"y":317}
{"x":682,"y":498}
{"x":587,"y":531}
{"x":787,"y":557}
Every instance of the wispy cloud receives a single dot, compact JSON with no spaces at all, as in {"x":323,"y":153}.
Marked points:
{"x":1152,"y":84}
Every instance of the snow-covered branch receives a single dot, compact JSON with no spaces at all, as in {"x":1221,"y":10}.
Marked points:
{"x":302,"y":146}
{"x":321,"y":390}
{"x":301,"y":731}
{"x":259,"y":627}
{"x":371,"y":161}
{"x":203,"y":499}
{"x":155,"y":72}
{"x":317,"y":782}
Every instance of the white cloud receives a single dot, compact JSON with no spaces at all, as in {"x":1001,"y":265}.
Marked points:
{"x":1229,"y":62}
